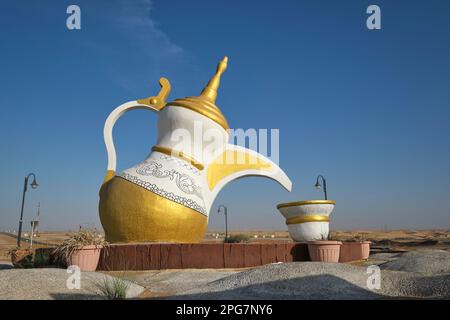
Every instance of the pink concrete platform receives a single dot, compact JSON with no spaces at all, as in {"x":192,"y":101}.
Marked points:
{"x":155,"y":256}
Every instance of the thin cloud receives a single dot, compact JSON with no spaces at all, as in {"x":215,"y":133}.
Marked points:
{"x":136,"y":19}
{"x":126,"y":32}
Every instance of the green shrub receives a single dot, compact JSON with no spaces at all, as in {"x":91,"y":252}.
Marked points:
{"x":238,"y":238}
{"x":113,"y":288}
{"x":41,"y":259}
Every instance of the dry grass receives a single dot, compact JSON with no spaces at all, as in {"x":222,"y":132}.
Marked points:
{"x":64,"y":251}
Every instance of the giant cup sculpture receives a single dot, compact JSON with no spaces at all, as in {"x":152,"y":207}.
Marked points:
{"x":307,"y":220}
{"x":168,"y":196}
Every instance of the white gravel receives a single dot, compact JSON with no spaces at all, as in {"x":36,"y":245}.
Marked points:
{"x":50,"y":283}
{"x":315,"y":280}
{"x":423,"y":261}
{"x":416,"y":274}
{"x":174,"y":282}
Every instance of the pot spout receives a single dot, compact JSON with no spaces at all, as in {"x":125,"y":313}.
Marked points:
{"x":237,"y":162}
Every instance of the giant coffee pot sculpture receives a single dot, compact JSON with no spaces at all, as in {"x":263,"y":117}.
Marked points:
{"x":168,"y":196}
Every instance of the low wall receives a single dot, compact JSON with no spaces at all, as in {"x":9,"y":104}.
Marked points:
{"x":155,"y":256}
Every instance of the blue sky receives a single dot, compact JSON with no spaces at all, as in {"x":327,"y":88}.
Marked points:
{"x":370,"y":110}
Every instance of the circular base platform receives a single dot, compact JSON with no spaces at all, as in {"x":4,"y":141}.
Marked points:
{"x":156,"y":256}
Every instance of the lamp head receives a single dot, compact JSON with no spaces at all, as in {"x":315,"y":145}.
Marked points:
{"x":34,"y":184}
{"x":317,"y":185}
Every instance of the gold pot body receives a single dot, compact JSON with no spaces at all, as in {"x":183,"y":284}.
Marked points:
{"x":130,"y":213}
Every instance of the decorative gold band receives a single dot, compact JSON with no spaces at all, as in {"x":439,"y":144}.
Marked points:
{"x":305,"y":202}
{"x":307,"y":218}
{"x":179,"y":154}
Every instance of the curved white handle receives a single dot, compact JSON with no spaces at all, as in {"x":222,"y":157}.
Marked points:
{"x":109,"y":125}
{"x":153,"y":103}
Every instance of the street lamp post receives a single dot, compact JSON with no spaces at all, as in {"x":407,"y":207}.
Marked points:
{"x":324,"y":182}
{"x":37,"y":219}
{"x":225,"y":211}
{"x":33,"y":185}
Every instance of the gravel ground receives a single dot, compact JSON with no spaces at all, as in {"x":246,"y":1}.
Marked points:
{"x":50,"y":283}
{"x":415,"y":274}
{"x":316,"y":280}
{"x":385,"y":256}
{"x":423,"y":261}
{"x":160,"y":283}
